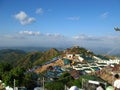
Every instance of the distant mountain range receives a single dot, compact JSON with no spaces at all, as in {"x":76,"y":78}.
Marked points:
{"x":31,"y":49}
{"x":108,"y":51}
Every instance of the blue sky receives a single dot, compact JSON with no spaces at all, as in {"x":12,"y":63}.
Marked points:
{"x":87,"y":23}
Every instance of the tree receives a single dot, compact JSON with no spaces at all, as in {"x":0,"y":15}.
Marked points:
{"x":65,"y":78}
{"x":15,"y":73}
{"x":30,"y":80}
{"x":8,"y":79}
{"x":55,"y":85}
{"x":4,"y":67}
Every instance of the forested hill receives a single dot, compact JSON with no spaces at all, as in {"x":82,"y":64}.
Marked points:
{"x":38,"y":58}
{"x":21,"y":58}
{"x":11,"y":56}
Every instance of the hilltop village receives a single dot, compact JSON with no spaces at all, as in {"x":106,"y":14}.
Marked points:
{"x":78,"y":63}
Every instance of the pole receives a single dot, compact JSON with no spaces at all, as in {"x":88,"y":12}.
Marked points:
{"x":65,"y":87}
{"x":43,"y":83}
{"x":82,"y":83}
{"x":14,"y":84}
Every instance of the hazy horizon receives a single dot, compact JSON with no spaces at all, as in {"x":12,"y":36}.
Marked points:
{"x":103,"y":51}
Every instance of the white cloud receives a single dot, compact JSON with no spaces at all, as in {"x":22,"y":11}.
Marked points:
{"x":73,"y":18}
{"x":104,"y":15}
{"x":56,"y":35}
{"x":81,"y":36}
{"x":23,"y":18}
{"x":31,"y":33}
{"x":39,"y":11}
{"x":47,"y":35}
{"x":86,"y":37}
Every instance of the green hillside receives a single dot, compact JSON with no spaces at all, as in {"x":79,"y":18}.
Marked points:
{"x":11,"y":56}
{"x":37,"y":58}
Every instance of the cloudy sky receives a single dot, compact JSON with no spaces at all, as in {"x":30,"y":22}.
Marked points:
{"x":87,"y":23}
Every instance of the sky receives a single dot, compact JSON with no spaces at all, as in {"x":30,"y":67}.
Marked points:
{"x":59,"y":23}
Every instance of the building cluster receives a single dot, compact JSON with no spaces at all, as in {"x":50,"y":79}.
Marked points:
{"x":88,"y":64}
{"x":77,"y":64}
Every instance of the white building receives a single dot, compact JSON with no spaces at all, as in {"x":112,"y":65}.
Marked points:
{"x":71,"y":56}
{"x":108,"y":62}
